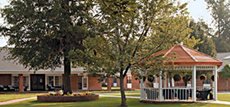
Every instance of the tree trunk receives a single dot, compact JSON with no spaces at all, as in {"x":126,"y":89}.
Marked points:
{"x":122,"y":90}
{"x":109,"y":84}
{"x":67,"y":74}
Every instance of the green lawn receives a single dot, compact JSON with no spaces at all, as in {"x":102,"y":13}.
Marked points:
{"x":224,"y":97}
{"x":103,"y":101}
{"x":106,"y":102}
{"x":221,"y":97}
{"x":8,"y":96}
{"x":117,"y":93}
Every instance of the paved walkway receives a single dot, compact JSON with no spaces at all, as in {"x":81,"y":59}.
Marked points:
{"x":16,"y":101}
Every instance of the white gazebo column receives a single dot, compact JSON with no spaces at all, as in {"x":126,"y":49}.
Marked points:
{"x":160,"y":87}
{"x":215,"y":83}
{"x":194,"y":83}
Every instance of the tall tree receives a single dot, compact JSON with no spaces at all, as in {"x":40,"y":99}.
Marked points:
{"x":201,"y":31}
{"x":221,"y":13}
{"x":43,"y":32}
{"x":132,"y":30}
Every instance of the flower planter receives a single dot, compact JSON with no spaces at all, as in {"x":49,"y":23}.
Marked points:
{"x":47,"y":98}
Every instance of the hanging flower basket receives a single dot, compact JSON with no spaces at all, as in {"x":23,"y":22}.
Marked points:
{"x":202,"y":77}
{"x":177,"y":77}
{"x":212,"y":77}
{"x":143,"y":78}
{"x":187,"y":77}
{"x":151,"y":78}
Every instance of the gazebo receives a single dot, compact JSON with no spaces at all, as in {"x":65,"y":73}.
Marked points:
{"x":185,"y":59}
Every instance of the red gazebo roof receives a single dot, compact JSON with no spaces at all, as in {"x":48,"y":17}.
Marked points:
{"x":181,"y":55}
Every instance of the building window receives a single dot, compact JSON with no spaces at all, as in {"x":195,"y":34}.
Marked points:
{"x":26,"y":81}
{"x":50,"y":80}
{"x":54,"y":80}
{"x":58,"y":80}
{"x":15,"y":80}
{"x":129,"y":79}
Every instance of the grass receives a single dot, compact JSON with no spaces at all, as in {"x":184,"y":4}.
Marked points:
{"x":221,"y":96}
{"x":12,"y":96}
{"x":117,"y":93}
{"x":103,"y":101}
{"x":224,"y":97}
{"x":106,"y":102}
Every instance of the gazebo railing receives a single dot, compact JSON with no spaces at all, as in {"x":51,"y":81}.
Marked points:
{"x":168,"y":94}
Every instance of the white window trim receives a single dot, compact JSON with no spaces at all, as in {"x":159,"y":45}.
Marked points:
{"x":129,"y":78}
{"x":85,"y":88}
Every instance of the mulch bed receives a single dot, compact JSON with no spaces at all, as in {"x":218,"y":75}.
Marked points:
{"x":46,"y":98}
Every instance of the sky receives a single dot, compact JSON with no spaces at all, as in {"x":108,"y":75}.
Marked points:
{"x":197,"y":8}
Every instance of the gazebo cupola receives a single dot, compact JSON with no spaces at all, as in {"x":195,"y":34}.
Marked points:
{"x":185,"y":59}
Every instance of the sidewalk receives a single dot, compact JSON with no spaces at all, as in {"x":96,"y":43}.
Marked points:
{"x":16,"y":100}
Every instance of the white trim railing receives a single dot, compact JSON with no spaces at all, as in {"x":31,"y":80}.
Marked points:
{"x":168,"y":94}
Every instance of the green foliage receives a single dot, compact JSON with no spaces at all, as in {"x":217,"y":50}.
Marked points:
{"x":225,"y":71}
{"x":202,"y":32}
{"x":221,"y":13}
{"x":132,"y":30}
{"x":44,"y":32}
{"x":222,"y":45}
{"x":41,"y":30}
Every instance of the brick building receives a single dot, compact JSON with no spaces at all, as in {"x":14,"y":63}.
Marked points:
{"x":16,"y":75}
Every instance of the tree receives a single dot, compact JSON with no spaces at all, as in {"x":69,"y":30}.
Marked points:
{"x":226,"y":71}
{"x":201,"y":31}
{"x":221,"y":13}
{"x":44,"y":32}
{"x":132,"y":30}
